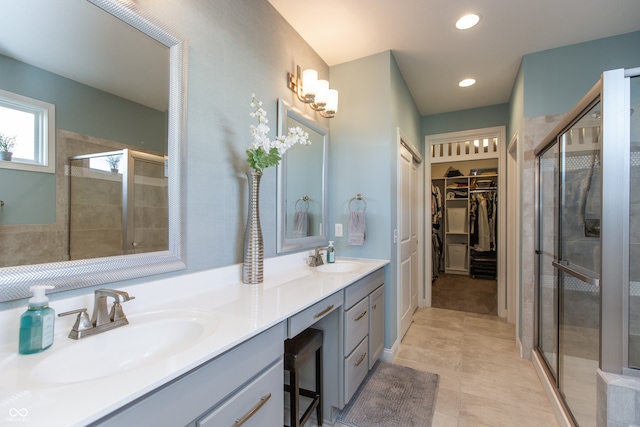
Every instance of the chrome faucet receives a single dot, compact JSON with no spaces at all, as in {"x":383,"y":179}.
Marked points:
{"x":316,"y":259}
{"x":100,"y":314}
{"x":102,"y":320}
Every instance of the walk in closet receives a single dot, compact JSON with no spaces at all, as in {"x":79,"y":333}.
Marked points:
{"x":467,"y":258}
{"x":464,"y":206}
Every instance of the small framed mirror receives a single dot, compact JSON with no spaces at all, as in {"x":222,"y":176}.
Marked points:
{"x":302,"y":182}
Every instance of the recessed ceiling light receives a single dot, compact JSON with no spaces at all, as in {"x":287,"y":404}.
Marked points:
{"x":467,"y":21}
{"x":467,"y":82}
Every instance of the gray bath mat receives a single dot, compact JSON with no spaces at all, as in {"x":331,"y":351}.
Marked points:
{"x":392,"y":395}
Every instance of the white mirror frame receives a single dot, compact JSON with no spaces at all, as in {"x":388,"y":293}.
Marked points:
{"x":16,"y":281}
{"x":288,"y":244}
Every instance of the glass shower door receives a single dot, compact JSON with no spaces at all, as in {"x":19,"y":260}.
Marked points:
{"x":150,"y":225}
{"x":548,"y":244}
{"x":633,"y":351}
{"x":569,"y":262}
{"x":579,"y":264}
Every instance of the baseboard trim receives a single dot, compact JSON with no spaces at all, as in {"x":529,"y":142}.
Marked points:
{"x":388,"y":354}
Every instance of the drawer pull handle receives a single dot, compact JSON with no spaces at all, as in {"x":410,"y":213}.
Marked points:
{"x":361,"y":359}
{"x":253,"y":411}
{"x":360,"y":316}
{"x":323,"y":312}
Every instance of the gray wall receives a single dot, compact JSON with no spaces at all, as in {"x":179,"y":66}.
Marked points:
{"x":374,"y":102}
{"x":473,"y":118}
{"x":556,"y":79}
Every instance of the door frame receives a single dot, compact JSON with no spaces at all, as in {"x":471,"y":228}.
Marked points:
{"x":403,"y":141}
{"x":513,"y":264}
{"x":504,"y":304}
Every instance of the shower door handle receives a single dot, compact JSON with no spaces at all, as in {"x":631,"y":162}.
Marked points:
{"x":593,"y":281}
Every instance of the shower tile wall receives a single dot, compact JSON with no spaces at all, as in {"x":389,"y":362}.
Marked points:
{"x":151,"y":216}
{"x":96,"y":213}
{"x":44,"y":243}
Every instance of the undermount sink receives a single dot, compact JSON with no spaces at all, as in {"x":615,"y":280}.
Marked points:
{"x":339,"y":267}
{"x":148,"y":338}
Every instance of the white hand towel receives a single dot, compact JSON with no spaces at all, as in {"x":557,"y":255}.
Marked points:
{"x":300,"y":224}
{"x":357,"y":228}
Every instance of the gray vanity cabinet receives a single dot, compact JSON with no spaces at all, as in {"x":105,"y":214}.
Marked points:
{"x":363,"y":329}
{"x":245,"y":381}
{"x":376,"y":325}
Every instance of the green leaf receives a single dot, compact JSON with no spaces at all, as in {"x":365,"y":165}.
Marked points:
{"x":259,"y":160}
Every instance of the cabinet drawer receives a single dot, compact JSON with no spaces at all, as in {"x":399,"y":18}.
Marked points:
{"x":258,"y":404}
{"x":356,"y":325}
{"x":363,"y":287}
{"x":311,"y":315}
{"x":356,"y":367}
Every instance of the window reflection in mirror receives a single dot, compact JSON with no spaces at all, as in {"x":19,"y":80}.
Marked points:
{"x":302,"y":218}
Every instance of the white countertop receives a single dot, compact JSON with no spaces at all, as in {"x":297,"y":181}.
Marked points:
{"x":240,"y":311}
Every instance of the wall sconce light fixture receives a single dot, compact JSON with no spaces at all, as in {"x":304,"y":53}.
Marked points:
{"x":314,"y":92}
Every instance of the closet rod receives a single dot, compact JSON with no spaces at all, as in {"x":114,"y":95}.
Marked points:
{"x":484,"y":190}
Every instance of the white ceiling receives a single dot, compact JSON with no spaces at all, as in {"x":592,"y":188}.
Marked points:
{"x":434,"y":56}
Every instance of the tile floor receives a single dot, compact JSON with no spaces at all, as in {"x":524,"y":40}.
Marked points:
{"x":483,"y":380}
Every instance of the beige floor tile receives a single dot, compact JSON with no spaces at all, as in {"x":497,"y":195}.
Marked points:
{"x":430,"y":332}
{"x":444,"y":420}
{"x":443,"y":319}
{"x":483,"y":381}
{"x":432,"y":356}
{"x":523,"y":374}
{"x":482,"y":325}
{"x":438,"y":340}
{"x":448,"y":401}
{"x":490,"y":349}
{"x":505,"y":392}
{"x":476,"y":410}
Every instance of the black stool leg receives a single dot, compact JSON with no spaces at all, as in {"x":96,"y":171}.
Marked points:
{"x":294,"y":398}
{"x":319,"y":384}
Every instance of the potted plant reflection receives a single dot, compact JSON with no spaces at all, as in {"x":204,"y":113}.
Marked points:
{"x":7,"y":143}
{"x":114,"y":162}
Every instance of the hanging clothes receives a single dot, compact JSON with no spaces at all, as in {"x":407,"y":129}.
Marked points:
{"x":483,"y":220}
{"x":436,"y":204}
{"x":437,"y":212}
{"x":484,"y":232}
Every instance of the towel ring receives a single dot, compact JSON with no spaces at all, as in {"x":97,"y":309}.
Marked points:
{"x":359,"y":197}
{"x":304,"y":199}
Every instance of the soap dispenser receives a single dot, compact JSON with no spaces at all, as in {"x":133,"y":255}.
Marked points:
{"x":37,"y":323}
{"x":331,"y":253}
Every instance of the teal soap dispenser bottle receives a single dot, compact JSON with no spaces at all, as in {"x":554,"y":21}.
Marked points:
{"x":37,"y":323}
{"x":331,"y":253}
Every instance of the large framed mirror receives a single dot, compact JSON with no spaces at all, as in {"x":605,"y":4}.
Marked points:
{"x":302,"y":181}
{"x":117,"y":80}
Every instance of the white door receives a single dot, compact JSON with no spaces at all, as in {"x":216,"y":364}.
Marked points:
{"x":408,"y":237}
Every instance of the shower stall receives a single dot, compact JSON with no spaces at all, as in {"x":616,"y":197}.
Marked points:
{"x":588,"y":253}
{"x":118,"y":204}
